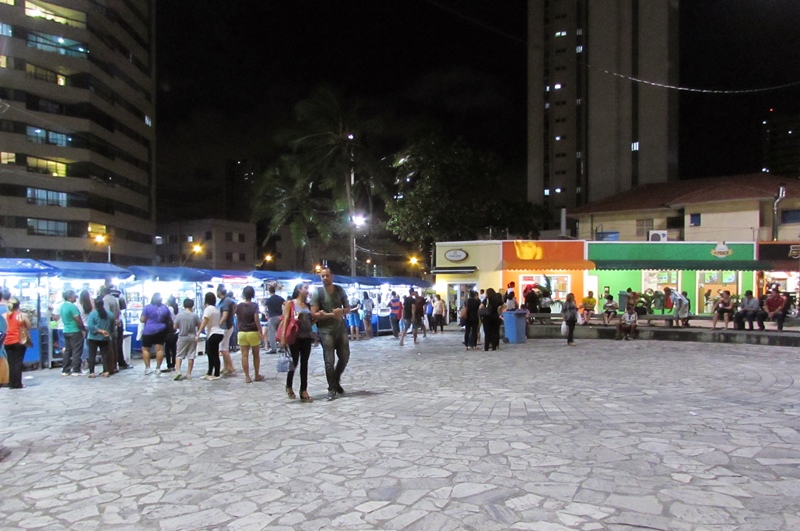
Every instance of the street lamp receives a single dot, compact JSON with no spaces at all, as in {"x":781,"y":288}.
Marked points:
{"x":355,"y":222}
{"x":101,"y":239}
{"x":196,"y":249}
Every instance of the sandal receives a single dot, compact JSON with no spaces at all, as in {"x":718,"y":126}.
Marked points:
{"x":248,"y":380}
{"x":290,"y":393}
{"x":259,"y":378}
{"x":91,"y":375}
{"x":305,"y":398}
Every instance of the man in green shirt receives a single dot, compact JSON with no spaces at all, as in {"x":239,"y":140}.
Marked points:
{"x":329,"y":306}
{"x":74,"y":332}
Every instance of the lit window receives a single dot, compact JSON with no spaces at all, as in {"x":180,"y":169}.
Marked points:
{"x":190,"y":239}
{"x":578,"y":190}
{"x":57,"y":139}
{"x":148,"y":121}
{"x":59,"y":45}
{"x":558,"y":139}
{"x":96,"y":228}
{"x":55,"y":13}
{"x":694,"y":220}
{"x":48,"y":167}
{"x":558,"y":190}
{"x":547,"y":88}
{"x":159,"y":240}
{"x":61,"y":80}
{"x":46,"y":227}
{"x":8,"y":158}
{"x":9,"y":2}
{"x":579,"y":31}
{"x":36,"y":135}
{"x":578,"y":49}
{"x":557,"y":86}
{"x":547,"y":191}
{"x":561,"y":34}
{"x":547,"y":105}
{"x":578,"y":155}
{"x":3,"y":61}
{"x":765,"y":170}
{"x":37,"y":196}
{"x":6,"y":30}
{"x":634,"y":146}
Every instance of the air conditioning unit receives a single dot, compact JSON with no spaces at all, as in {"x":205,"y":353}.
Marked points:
{"x":657,"y":236}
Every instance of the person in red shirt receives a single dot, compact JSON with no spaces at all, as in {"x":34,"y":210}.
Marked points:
{"x":773,"y":310}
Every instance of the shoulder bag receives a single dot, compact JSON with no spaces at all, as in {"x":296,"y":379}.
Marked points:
{"x":24,"y":332}
{"x":290,"y":330}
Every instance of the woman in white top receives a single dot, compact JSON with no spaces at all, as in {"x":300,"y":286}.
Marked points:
{"x":214,"y":336}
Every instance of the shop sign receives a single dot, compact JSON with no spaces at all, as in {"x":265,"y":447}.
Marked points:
{"x":721,"y":250}
{"x":794,"y":252}
{"x":456,"y":255}
{"x":779,"y":251}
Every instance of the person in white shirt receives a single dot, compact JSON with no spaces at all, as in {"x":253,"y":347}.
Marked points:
{"x":627,"y":324}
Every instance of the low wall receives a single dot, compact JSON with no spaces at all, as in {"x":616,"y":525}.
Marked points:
{"x":703,"y":335}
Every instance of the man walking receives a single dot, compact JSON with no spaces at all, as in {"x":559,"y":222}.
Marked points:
{"x":395,"y":314}
{"x":274,"y":313}
{"x":330,"y":306}
{"x":408,"y":316}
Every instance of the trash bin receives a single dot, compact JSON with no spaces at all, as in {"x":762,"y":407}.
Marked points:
{"x":515,"y":326}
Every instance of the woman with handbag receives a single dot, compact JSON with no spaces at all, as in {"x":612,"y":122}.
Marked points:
{"x":490,"y":314}
{"x":297,"y":315}
{"x":250,"y":334}
{"x":17,"y":341}
{"x":569,"y":311}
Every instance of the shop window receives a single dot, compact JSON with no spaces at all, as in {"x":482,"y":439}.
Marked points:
{"x":790,"y":216}
{"x":643,"y":226}
{"x":694,"y":220}
{"x":658,"y":280}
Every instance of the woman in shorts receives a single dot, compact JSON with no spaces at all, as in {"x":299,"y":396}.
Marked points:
{"x":723,"y":309}
{"x":250,"y":334}
{"x":157,"y":319}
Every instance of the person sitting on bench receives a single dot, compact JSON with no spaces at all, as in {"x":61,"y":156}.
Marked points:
{"x":627,"y":324}
{"x":773,"y":309}
{"x":748,"y":309}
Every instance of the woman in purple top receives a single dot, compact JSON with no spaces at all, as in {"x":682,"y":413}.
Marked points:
{"x":157,"y":319}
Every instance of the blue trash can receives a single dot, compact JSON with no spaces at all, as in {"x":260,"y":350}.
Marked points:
{"x":515,"y":326}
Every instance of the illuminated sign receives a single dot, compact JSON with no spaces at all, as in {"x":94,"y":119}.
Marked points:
{"x":456,"y":255}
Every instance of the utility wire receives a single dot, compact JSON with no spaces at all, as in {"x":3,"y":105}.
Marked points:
{"x":611,"y":72}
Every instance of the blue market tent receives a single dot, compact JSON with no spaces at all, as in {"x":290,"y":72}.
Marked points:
{"x":25,"y":266}
{"x":88,"y":270}
{"x":226,"y":273}
{"x":283,"y":275}
{"x":409,"y":281}
{"x":180,"y":274}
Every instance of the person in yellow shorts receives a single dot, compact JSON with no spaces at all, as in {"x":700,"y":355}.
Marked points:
{"x":250,"y":334}
{"x":588,"y":305}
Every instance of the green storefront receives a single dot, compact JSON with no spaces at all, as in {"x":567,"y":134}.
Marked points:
{"x":701,"y":269}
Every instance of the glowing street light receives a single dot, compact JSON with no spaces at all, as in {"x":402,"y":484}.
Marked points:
{"x":356,"y":221}
{"x":196,"y":249}
{"x":101,"y":239}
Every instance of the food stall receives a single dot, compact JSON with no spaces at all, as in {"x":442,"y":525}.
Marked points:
{"x":26,"y":279}
{"x":78,"y":276}
{"x":179,"y":282}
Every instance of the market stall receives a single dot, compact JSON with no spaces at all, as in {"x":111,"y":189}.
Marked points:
{"x":179,"y":282}
{"x":26,"y":279}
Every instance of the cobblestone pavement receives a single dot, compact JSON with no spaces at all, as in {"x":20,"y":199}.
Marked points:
{"x":605,"y":435}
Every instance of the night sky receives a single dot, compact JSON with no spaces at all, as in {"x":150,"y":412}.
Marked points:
{"x":228,"y":80}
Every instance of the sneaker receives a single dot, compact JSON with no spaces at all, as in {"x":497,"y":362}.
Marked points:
{"x":212,"y":378}
{"x":331,"y":396}
{"x":224,"y":372}
{"x":64,"y":373}
{"x":148,"y":371}
{"x":79,"y":373}
{"x":178,"y":377}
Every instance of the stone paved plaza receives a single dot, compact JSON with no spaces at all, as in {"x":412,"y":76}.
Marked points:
{"x":605,"y":435}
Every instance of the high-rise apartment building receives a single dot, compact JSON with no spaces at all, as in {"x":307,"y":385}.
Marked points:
{"x":592,"y":130}
{"x":780,"y":137}
{"x":77,"y":138}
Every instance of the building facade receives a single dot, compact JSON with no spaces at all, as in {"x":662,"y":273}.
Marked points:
{"x":780,"y":136}
{"x":747,"y":208}
{"x":207,"y":244}
{"x":77,"y":132}
{"x":592,"y":131}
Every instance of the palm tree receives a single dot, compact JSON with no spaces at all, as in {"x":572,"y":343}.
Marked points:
{"x":286,"y":196}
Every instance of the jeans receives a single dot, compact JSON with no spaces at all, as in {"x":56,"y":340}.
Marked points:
{"x":395,"y":325}
{"x":212,"y":351}
{"x":71,"y":356}
{"x":438,"y":321}
{"x":273,"y":331}
{"x":571,"y":328}
{"x":105,"y":353}
{"x":15,"y":354}
{"x":740,"y":317}
{"x":335,"y":344}
{"x":778,"y":317}
{"x":471,"y":333}
{"x":301,"y":350}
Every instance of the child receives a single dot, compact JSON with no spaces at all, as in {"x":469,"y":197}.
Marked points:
{"x":186,"y":323}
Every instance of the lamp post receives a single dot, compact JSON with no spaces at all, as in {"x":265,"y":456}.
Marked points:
{"x":356,"y":222}
{"x":101,"y":239}
{"x":196,"y":249}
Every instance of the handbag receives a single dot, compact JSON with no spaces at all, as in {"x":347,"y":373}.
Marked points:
{"x":484,"y":312}
{"x":24,"y":333}
{"x":290,"y":330}
{"x":564,"y":329}
{"x":284,"y":362}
